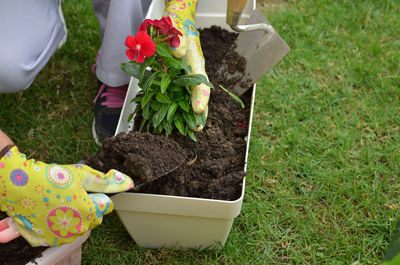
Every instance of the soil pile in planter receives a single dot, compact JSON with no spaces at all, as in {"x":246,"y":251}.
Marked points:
{"x":143,"y":156}
{"x":215,"y":170}
{"x":18,"y":251}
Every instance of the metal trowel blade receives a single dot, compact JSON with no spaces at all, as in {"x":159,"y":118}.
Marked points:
{"x":261,"y":50}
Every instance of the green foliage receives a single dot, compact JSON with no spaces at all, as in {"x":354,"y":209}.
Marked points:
{"x":165,"y":97}
{"x":235,"y":98}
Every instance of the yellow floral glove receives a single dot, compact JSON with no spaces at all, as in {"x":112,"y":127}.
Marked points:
{"x":182,"y":13}
{"x":49,"y":203}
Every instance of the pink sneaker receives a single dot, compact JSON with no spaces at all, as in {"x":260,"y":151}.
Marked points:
{"x":107,"y":109}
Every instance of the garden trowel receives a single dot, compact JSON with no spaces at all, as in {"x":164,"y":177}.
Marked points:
{"x":258,"y":43}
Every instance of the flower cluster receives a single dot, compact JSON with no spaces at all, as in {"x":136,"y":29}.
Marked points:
{"x":164,"y":102}
{"x":151,"y":32}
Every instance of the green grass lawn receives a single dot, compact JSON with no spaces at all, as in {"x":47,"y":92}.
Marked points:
{"x":322,"y":184}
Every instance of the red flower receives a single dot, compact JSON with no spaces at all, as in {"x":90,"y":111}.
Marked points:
{"x":173,"y":38}
{"x":146,"y":23}
{"x":165,"y":27}
{"x":242,"y":125}
{"x":139,"y":47}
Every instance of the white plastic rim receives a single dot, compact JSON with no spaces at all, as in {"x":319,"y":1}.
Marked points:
{"x":52,"y":255}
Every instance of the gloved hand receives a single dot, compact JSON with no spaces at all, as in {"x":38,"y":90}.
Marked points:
{"x":182,"y":13}
{"x":49,"y":203}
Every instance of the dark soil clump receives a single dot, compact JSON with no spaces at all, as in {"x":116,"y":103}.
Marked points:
{"x":18,"y":251}
{"x":215,"y":167}
{"x":233,"y":70}
{"x":142,"y":155}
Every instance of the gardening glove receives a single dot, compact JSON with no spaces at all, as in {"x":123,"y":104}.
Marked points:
{"x":49,"y":203}
{"x":182,"y":13}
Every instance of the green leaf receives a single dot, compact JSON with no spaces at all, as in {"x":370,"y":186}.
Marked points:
{"x":201,"y":118}
{"x":134,"y":113}
{"x":171,"y":111}
{"x":175,"y":89}
{"x":155,"y":65}
{"x":192,"y":136}
{"x":178,"y":64}
{"x":235,"y":98}
{"x":146,"y":113}
{"x":144,"y":65}
{"x":165,"y":81}
{"x":155,"y":105}
{"x":180,"y":125}
{"x":191,"y":80}
{"x":147,"y":81}
{"x":184,"y":105}
{"x":159,"y":116}
{"x":131,"y":69}
{"x":159,"y":129}
{"x":179,"y":96}
{"x":131,"y":116}
{"x":163,"y":98}
{"x":167,"y":127}
{"x":137,"y":99}
{"x":190,"y":120}
{"x":172,"y":72}
{"x":148,"y":127}
{"x":142,"y":125}
{"x":163,"y":50}
{"x":146,"y":98}
{"x":188,"y":68}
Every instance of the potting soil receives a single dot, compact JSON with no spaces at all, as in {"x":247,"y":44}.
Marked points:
{"x":215,"y":163}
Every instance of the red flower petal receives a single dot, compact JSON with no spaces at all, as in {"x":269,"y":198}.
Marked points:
{"x":148,"y":48}
{"x":146,"y":23}
{"x":175,"y":41}
{"x":130,"y":41}
{"x":131,"y":54}
{"x":176,"y":31}
{"x":140,"y":57}
{"x":165,"y":25}
{"x":141,"y":37}
{"x":167,"y":20}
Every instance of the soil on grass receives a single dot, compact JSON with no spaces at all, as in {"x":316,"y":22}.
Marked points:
{"x":213,"y":166}
{"x":18,"y":251}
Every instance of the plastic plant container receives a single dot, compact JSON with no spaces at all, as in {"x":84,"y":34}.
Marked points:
{"x":68,"y":254}
{"x":156,"y":221}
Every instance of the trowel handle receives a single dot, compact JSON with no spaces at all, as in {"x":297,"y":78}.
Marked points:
{"x":8,"y":231}
{"x":234,"y":11}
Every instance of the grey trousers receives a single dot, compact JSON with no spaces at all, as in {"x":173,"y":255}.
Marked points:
{"x":31,"y":30}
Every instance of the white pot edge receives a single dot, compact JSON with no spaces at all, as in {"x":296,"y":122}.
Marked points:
{"x":54,"y":254}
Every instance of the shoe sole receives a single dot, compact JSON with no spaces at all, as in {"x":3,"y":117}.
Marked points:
{"x":95,"y":136}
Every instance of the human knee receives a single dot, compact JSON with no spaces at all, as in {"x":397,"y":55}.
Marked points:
{"x":14,"y":77}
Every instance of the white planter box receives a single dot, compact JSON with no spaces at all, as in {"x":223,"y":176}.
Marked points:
{"x":68,"y":254}
{"x":156,"y":221}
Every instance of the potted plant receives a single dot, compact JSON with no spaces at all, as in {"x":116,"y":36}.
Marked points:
{"x":155,"y":220}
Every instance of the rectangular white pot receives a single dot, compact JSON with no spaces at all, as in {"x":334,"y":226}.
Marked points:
{"x":156,"y":221}
{"x":68,"y":254}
